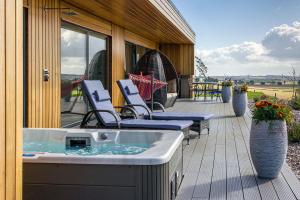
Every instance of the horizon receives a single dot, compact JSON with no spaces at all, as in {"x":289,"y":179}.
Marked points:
{"x":238,"y":37}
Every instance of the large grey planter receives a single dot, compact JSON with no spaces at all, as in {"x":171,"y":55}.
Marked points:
{"x":239,"y":103}
{"x":226,"y":94}
{"x":268,"y":147}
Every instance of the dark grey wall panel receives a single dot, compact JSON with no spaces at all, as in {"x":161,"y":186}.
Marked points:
{"x":73,"y":192}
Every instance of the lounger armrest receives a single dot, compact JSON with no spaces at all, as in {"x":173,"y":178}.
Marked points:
{"x":143,"y":106}
{"x":90,"y":113}
{"x":130,"y":109}
{"x":162,"y":108}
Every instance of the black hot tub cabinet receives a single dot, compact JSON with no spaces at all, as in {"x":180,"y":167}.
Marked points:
{"x":153,"y":174}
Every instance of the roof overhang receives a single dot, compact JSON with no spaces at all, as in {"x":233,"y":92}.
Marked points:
{"x":157,"y":20}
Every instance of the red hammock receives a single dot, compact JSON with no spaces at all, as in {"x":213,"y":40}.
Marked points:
{"x":143,"y":84}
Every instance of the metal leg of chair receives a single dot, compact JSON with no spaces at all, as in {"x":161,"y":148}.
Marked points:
{"x":200,"y":127}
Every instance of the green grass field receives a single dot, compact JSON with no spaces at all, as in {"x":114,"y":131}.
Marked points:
{"x":75,"y":93}
{"x":252,"y":95}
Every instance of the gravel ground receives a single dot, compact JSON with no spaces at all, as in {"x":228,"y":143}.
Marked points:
{"x":297,"y":115}
{"x":293,"y":158}
{"x":293,"y":155}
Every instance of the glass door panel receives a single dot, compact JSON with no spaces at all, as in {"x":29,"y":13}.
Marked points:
{"x":97,"y":69}
{"x":83,"y":57}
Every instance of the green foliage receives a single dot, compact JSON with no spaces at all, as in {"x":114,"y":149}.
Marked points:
{"x":266,"y":111}
{"x":201,"y":67}
{"x":241,"y":82}
{"x":257,"y":96}
{"x":76,"y":93}
{"x":295,"y":103}
{"x":254,"y":95}
{"x":227,"y":83}
{"x":197,"y":79}
{"x":238,"y":89}
{"x":297,"y":91}
{"x":210,"y":79}
{"x":294,"y":132}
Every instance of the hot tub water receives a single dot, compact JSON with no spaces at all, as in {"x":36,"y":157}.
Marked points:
{"x":96,"y":149}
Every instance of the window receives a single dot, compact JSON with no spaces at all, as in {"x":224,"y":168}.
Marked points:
{"x":132,"y":54}
{"x":83,"y":57}
{"x":130,"y":57}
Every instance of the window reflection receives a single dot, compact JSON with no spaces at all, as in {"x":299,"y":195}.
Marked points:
{"x":83,"y":56}
{"x":132,"y":55}
{"x":97,"y":69}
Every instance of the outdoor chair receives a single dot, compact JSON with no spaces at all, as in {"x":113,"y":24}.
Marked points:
{"x":107,"y":117}
{"x":216,"y":92}
{"x":134,"y":100}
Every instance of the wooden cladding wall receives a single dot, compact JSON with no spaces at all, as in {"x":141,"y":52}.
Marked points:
{"x":139,"y":40}
{"x":43,"y":53}
{"x":11,"y":97}
{"x":181,"y":55}
{"x":118,"y":62}
{"x":43,"y":107}
{"x":86,"y":19}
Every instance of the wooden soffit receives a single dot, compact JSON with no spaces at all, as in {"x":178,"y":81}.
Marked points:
{"x":157,"y":20}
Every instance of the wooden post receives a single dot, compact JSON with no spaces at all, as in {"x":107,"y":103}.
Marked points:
{"x":11,"y":96}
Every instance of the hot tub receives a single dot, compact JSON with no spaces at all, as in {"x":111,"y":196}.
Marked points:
{"x":101,"y":164}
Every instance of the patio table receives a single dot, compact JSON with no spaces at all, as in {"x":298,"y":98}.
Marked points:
{"x":205,"y":88}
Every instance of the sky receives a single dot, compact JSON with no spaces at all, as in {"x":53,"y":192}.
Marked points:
{"x":245,"y":37}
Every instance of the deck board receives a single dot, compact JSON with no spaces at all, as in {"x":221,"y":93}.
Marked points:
{"x":219,"y":166}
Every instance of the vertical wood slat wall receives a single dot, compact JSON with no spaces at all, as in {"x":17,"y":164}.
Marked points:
{"x":118,"y":62}
{"x":43,"y":52}
{"x":11,"y":96}
{"x":181,"y":55}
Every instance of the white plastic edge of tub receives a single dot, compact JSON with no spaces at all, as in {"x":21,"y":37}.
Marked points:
{"x":161,"y":152}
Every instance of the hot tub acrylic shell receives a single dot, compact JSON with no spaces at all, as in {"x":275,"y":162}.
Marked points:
{"x":153,"y":174}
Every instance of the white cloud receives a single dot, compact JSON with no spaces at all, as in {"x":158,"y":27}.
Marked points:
{"x":244,"y":52}
{"x":284,"y":41}
{"x":276,"y":54}
{"x":73,"y":65}
{"x":69,"y":37}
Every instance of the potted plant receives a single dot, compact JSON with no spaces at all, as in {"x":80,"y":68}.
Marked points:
{"x":268,"y":137}
{"x":226,"y":90}
{"x":239,"y":100}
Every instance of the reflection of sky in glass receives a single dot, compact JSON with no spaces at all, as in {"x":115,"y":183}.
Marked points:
{"x":95,"y":45}
{"x":73,"y":53}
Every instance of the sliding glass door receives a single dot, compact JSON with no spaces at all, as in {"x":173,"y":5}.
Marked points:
{"x":83,"y":57}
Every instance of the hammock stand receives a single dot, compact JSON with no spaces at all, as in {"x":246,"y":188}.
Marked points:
{"x":146,"y":85}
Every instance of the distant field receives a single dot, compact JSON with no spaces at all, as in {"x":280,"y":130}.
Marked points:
{"x":282,"y":92}
{"x":251,"y":95}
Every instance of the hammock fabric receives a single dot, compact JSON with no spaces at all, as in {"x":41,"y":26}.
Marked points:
{"x":143,"y":84}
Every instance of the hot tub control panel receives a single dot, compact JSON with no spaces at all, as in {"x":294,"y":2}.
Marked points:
{"x":78,"y":142}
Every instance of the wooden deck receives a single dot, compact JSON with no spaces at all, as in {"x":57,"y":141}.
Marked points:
{"x":218,"y":166}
